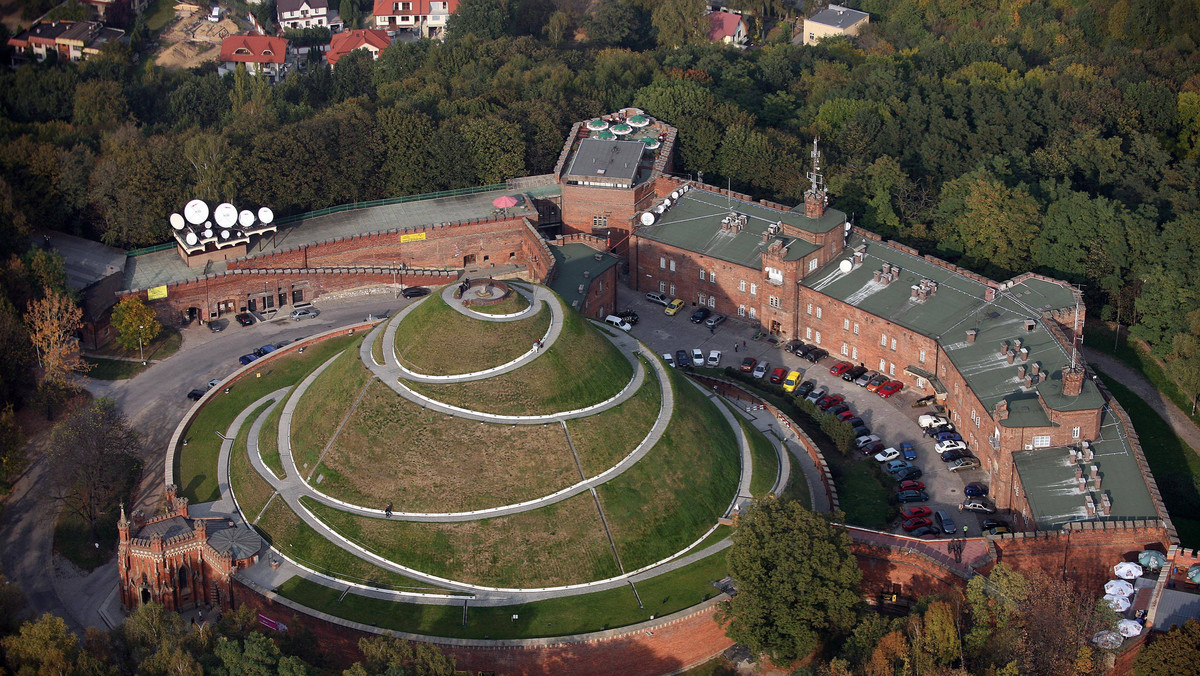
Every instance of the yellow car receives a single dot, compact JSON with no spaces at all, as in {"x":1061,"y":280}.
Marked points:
{"x":675,"y":306}
{"x":791,"y":382}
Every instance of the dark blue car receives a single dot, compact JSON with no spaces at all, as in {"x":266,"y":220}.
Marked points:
{"x":247,"y":358}
{"x":975,"y":489}
{"x":682,"y":359}
{"x":947,"y":436}
{"x":907,"y":450}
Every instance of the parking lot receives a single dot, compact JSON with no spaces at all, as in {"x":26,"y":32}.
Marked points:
{"x":893,"y":419}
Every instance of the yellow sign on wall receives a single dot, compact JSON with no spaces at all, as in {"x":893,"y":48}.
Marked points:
{"x":415,"y":237}
{"x":157,"y":292}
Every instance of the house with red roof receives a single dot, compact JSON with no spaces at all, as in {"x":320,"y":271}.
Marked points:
{"x":426,"y":18}
{"x":258,"y":53}
{"x":372,"y":40}
{"x":726,"y":27}
{"x":70,"y":40}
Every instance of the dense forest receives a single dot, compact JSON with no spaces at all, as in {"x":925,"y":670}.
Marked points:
{"x":1057,"y":135}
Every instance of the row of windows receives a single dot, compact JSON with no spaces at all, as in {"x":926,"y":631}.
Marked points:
{"x":711,"y":275}
{"x":846,"y":326}
{"x":742,"y":312}
{"x":809,"y":310}
{"x":712,"y":301}
{"x":753,"y":287}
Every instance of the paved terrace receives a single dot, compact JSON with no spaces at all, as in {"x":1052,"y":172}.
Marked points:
{"x":165,"y":267}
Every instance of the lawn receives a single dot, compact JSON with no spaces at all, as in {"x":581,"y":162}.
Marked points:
{"x":268,"y":441}
{"x":1135,"y":355}
{"x":680,"y":488}
{"x":251,"y":489}
{"x":197,"y":462}
{"x":513,"y":304}
{"x":602,"y":440}
{"x":797,"y":489}
{"x":1175,"y":466}
{"x":323,"y":406}
{"x":113,"y":369}
{"x":435,"y":339}
{"x":580,"y":369}
{"x":765,"y":459}
{"x":560,"y":544}
{"x":377,"y":349}
{"x":165,"y":344}
{"x":661,"y":596}
{"x":394,"y":451}
{"x":160,"y":14}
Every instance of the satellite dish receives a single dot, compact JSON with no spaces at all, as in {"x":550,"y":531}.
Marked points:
{"x":177,"y":221}
{"x":195,"y":212}
{"x":190,"y":238}
{"x":647,"y":218}
{"x":266,"y":215}
{"x":246,"y":218}
{"x":659,"y":209}
{"x":675,"y":195}
{"x":667,"y":202}
{"x":225,"y":214}
{"x":224,"y":234}
{"x":848,"y":226}
{"x":208,"y":233}
{"x":846,"y":266}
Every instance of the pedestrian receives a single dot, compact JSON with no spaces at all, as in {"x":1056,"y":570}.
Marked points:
{"x":535,"y":346}
{"x":735,"y":347}
{"x":964,"y":530}
{"x":743,"y":343}
{"x":387,"y":511}
{"x":712,"y":329}
{"x":541,"y":343}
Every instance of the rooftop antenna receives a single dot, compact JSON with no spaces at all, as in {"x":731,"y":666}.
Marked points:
{"x":728,"y":193}
{"x":1075,"y":332}
{"x":814,"y":176}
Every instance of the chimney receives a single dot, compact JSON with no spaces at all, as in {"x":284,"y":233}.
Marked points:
{"x":915,"y":292}
{"x":1072,"y":381}
{"x":1093,"y":471}
{"x":887,"y":268}
{"x":1078,"y":473}
{"x":1017,"y":344}
{"x":1087,"y":453}
{"x":1024,"y":354}
{"x":1028,"y":381}
{"x":1072,"y":453}
{"x":1089,"y":505}
{"x":932,"y":287}
{"x":1003,"y":347}
{"x":923,"y":294}
{"x":876,"y":275}
{"x":766,"y":236}
{"x":972,"y":334}
{"x":858,"y":258}
{"x":1042,"y":377}
{"x":1011,"y":355}
{"x":1035,"y":368}
{"x":989,"y":294}
{"x":1096,"y":482}
{"x":1021,"y":371}
{"x":1000,"y":412}
{"x":1105,"y":504}
{"x":1030,"y":324}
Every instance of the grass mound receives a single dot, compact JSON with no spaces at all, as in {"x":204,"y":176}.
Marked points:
{"x":601,"y":440}
{"x":323,"y":406}
{"x":435,"y":339}
{"x":513,"y":304}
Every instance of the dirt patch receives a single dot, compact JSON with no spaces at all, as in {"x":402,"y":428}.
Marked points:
{"x":191,"y":39}
{"x":392,"y":450}
{"x":187,"y":55}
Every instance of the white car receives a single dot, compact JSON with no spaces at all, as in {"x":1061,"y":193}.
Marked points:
{"x":761,"y":369}
{"x":714,"y":359}
{"x":887,"y":455}
{"x":303,"y":313}
{"x":863,"y":441}
{"x":697,"y":357}
{"x":943,"y":446}
{"x":931,"y":420}
{"x":669,"y":359}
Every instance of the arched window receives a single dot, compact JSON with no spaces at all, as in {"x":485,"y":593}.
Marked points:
{"x":183,"y":578}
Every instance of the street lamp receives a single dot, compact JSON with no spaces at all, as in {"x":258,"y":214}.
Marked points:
{"x":140,"y":353}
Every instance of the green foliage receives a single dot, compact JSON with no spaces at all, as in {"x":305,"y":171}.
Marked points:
{"x":136,"y":323}
{"x":12,"y":443}
{"x":391,"y":656}
{"x":315,"y":35}
{"x":679,"y":22}
{"x":1176,"y":652}
{"x":487,"y":19}
{"x":797,"y":581}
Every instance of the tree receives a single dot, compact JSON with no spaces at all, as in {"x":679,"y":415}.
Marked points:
{"x":53,"y":321}
{"x":991,"y":223}
{"x":217,"y":176}
{"x":487,"y":19}
{"x":136,"y":323}
{"x":253,"y":656}
{"x":1057,"y":620}
{"x":889,"y":657}
{"x":939,"y":635}
{"x":797,"y":581}
{"x":15,"y":372}
{"x":12,"y":442}
{"x":558,"y":28}
{"x":390,"y":656}
{"x":93,"y":458}
{"x":100,"y":103}
{"x":680,"y":22}
{"x":44,"y":646}
{"x":352,"y":77}
{"x":616,"y":23}
{"x":47,"y":269}
{"x":1186,"y":358}
{"x":1175,"y":652}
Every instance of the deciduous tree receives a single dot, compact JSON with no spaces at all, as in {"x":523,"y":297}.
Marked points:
{"x":991,"y":223}
{"x":1175,"y":652}
{"x":53,"y":321}
{"x":679,"y":22}
{"x":93,"y":453}
{"x":136,"y":323}
{"x":390,"y":656}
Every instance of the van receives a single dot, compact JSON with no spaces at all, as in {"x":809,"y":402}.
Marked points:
{"x":656,"y":297}
{"x":617,"y":322}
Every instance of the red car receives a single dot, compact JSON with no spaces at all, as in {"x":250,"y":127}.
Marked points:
{"x":840,"y":368}
{"x":911,"y":485}
{"x":777,"y":376}
{"x":914,"y":512}
{"x":748,"y":364}
{"x":889,"y":388}
{"x":831,"y":401}
{"x":845,"y":415}
{"x":913,"y":524}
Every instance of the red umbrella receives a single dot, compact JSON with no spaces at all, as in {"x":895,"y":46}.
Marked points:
{"x":504,"y":202}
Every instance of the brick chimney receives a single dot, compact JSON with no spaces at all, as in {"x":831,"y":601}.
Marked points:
{"x":1035,"y":368}
{"x":989,"y":294}
{"x":1028,"y":381}
{"x":915,"y":292}
{"x":1003,"y":347}
{"x":1024,"y":354}
{"x":876,"y":275}
{"x":1078,"y":473}
{"x":1000,"y":411}
{"x":972,"y":334}
{"x":1072,"y":381}
{"x":1089,"y":505}
{"x":1030,"y":324}
{"x":1021,"y":371}
{"x":1105,"y":504}
{"x":1011,"y":356}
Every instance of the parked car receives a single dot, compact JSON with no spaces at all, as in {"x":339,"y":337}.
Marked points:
{"x":863,"y":441}
{"x":816,"y":394}
{"x":975,"y":489}
{"x":845,"y":415}
{"x":917,"y":522}
{"x":791,"y":381}
{"x":964,"y":464}
{"x":860,"y":427}
{"x":978,"y":505}
{"x":660,"y":299}
{"x":778,"y":375}
{"x":889,"y":388}
{"x":714,"y":359}
{"x":816,"y":355}
{"x":952,"y":455}
{"x":907,"y":449}
{"x":838,"y":409}
{"x":245,"y":318}
{"x":865,"y":378}
{"x":415,"y":292}
{"x":195,"y":395}
{"x":669,"y":359}
{"x":805,"y":388}
{"x":761,"y":370}
{"x":947,"y":436}
{"x":674,"y":307}
{"x":264,"y":350}
{"x":945,"y":522}
{"x":682,"y":358}
{"x":793,"y":345}
{"x":998,"y":530}
{"x":897,"y":465}
{"x":840,"y":368}
{"x":247,"y":358}
{"x":748,"y":364}
{"x":212,"y":383}
{"x":914,"y":512}
{"x":872,"y":448}
{"x":802,"y":349}
{"x":700,"y":315}
{"x":887,"y":455}
{"x":931,"y":431}
{"x":912,"y":496}
{"x":613,"y":320}
{"x":629,"y":316}
{"x":943,"y":446}
{"x":994,"y":523}
{"x":874,"y":384}
{"x":288,"y":342}
{"x":854,"y":374}
{"x":926,"y":532}
{"x":714,"y":321}
{"x":929,"y":420}
{"x":216,"y":325}
{"x":830,"y":401}
{"x":907,"y":474}
{"x":306,"y":312}
{"x":912,"y":485}
{"x":697,"y":357}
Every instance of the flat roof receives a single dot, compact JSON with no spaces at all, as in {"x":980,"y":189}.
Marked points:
{"x":693,"y":223}
{"x":1048,"y":477}
{"x":572,"y":261}
{"x":166,"y":267}
{"x":1175,"y":607}
{"x":86,"y":262}
{"x":607,"y":159}
{"x":838,"y":16}
{"x":960,"y":304}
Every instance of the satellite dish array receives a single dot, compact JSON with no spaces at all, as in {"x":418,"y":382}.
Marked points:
{"x":650,"y":216}
{"x":194,"y":230}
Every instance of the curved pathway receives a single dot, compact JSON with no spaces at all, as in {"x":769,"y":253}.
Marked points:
{"x":1143,"y":388}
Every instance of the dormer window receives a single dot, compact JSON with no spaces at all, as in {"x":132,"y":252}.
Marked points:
{"x":267,"y":52}
{"x":242,"y":50}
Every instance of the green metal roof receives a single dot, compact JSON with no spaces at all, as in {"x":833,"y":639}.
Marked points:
{"x":572,"y":261}
{"x":693,"y":223}
{"x":1054,"y":497}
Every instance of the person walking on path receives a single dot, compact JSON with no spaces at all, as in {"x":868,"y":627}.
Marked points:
{"x":735,"y":347}
{"x":743,"y":343}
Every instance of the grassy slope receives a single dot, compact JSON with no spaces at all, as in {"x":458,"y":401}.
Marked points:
{"x":682,"y":486}
{"x":513,"y":304}
{"x":1134,"y":355}
{"x":197,"y":462}
{"x":268,"y":442}
{"x":661,"y":595}
{"x":601,"y":440}
{"x":323,"y":406}
{"x":251,"y":489}
{"x":112,"y":369}
{"x":437,"y":340}
{"x":765,"y":459}
{"x":580,"y":369}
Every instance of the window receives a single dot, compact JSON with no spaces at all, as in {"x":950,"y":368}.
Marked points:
{"x":672,"y":266}
{"x":741,"y":310}
{"x":845,"y":350}
{"x":818,"y":338}
{"x":856,"y":328}
{"x":662,"y":263}
{"x":974,"y":416}
{"x":809,"y":311}
{"x":1074,"y":432}
{"x":808,"y":333}
{"x":753,"y":289}
{"x":742,"y":286}
{"x":712,"y":276}
{"x":818,"y":313}
{"x":893,"y":345}
{"x":921,"y":356}
{"x":845,"y":324}
{"x":773,"y":301}
{"x":882,"y":340}
{"x":599,"y":221}
{"x":854,"y":353}
{"x":702,"y":275}
{"x":891,"y":369}
{"x":812,"y":265}
{"x":921,"y":383}
{"x":712,"y":301}
{"x":753,"y":314}
{"x":1041,"y":442}
{"x":672,"y":290}
{"x":882,"y":365}
{"x":662,"y":287}
{"x":701,"y":298}
{"x":977,"y":421}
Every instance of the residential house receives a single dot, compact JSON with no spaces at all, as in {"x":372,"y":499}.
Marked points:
{"x":307,"y":14}
{"x":426,"y":18}
{"x":830,"y":22}
{"x":259,"y":53}
{"x":372,"y":40}
{"x":70,"y":40}
{"x":726,"y":27}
